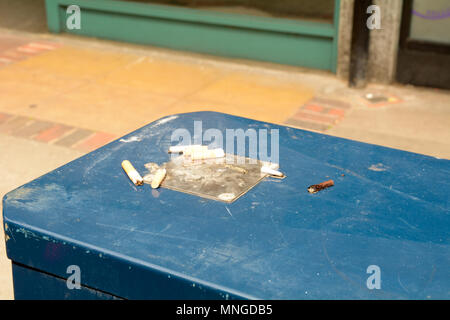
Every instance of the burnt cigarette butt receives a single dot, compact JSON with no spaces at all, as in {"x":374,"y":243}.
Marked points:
{"x":158,"y":178}
{"x":317,"y":187}
{"x":131,"y":172}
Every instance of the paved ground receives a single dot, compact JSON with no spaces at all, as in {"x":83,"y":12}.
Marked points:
{"x":62,"y":96}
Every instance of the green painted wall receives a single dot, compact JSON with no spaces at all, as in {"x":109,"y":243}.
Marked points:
{"x":283,"y":41}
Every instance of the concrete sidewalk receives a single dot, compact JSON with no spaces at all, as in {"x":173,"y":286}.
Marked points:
{"x":89,"y":84}
{"x":62,"y":96}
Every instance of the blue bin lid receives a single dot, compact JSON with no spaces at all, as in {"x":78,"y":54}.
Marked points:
{"x":388,"y":208}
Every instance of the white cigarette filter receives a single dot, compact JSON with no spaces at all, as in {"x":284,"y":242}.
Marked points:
{"x":184,"y":149}
{"x":202,"y":154}
{"x":188,"y":152}
{"x":159,"y":176}
{"x":271,"y":165}
{"x":270,"y":171}
{"x":131,"y":172}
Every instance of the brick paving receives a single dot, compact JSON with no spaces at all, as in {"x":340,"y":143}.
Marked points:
{"x":14,"y":50}
{"x":53,"y":133}
{"x":319,"y":114}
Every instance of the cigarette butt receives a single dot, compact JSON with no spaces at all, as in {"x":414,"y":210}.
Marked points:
{"x":158,"y":178}
{"x":215,"y":153}
{"x":183,"y":149}
{"x":194,"y":149}
{"x":176,"y":149}
{"x":202,"y":154}
{"x":236,"y":168}
{"x":272,"y":172}
{"x":131,"y":172}
{"x":270,"y":165}
{"x":317,"y":187}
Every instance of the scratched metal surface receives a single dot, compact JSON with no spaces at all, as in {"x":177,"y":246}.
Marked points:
{"x":221,"y":179}
{"x":387,"y":208}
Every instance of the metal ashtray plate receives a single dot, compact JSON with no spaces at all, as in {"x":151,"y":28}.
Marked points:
{"x":222,"y":179}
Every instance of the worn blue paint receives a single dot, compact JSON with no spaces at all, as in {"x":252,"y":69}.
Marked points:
{"x":391,"y":209}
